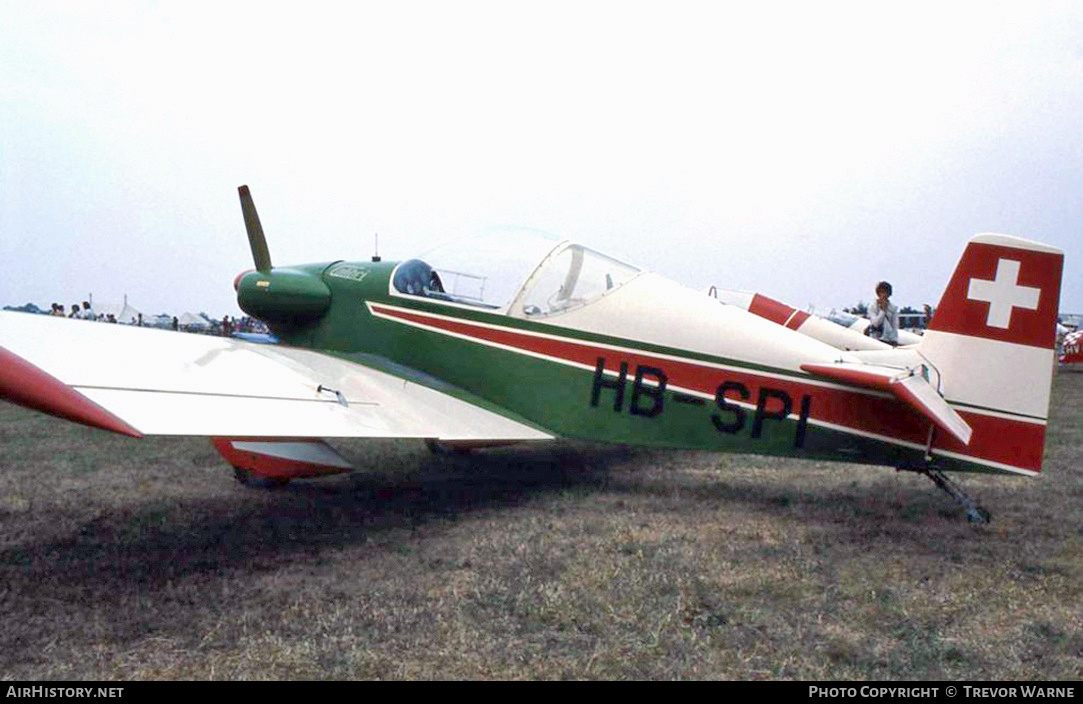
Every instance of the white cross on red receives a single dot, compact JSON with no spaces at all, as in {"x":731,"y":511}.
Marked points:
{"x":1003,"y":294}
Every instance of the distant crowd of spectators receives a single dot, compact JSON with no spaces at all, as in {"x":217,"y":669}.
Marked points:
{"x":226,"y":327}
{"x":85,"y":313}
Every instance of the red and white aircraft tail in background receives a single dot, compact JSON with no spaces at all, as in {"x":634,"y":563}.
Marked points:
{"x":1072,"y":350}
{"x":845,"y":336}
{"x":801,"y":321}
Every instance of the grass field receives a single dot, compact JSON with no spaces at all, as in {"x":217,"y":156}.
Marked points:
{"x":143,"y":559}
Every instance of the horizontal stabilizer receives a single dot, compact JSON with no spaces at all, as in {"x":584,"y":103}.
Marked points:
{"x":904,"y":384}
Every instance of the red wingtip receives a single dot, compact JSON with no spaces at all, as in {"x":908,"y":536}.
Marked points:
{"x":27,"y":385}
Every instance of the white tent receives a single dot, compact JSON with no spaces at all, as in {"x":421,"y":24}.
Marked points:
{"x":194,"y":322}
{"x":123,"y":312}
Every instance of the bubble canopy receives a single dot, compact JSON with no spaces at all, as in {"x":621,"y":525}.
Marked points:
{"x":524,"y":273}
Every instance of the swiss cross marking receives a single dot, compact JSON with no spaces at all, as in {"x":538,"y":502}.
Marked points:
{"x":1003,"y":294}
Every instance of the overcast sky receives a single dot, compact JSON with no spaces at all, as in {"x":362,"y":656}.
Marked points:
{"x":803,"y":150}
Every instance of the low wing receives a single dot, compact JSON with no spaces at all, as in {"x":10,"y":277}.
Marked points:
{"x":907,"y":386}
{"x":158,"y":382}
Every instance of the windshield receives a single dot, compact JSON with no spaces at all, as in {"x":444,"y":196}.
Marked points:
{"x":488,"y":269}
{"x":843,"y":319}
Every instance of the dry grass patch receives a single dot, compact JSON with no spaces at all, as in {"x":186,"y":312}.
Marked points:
{"x":142,"y":559}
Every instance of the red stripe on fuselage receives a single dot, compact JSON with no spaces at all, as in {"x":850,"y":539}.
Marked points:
{"x":996,"y":439}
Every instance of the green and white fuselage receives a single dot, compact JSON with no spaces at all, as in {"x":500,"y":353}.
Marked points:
{"x":589,"y":347}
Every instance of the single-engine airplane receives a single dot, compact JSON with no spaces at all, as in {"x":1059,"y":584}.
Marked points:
{"x":833,"y":332}
{"x":464,"y":349}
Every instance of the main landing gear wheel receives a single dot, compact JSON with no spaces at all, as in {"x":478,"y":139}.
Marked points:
{"x":252,"y":480}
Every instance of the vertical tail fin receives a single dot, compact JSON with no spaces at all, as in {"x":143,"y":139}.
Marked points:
{"x":992,"y":340}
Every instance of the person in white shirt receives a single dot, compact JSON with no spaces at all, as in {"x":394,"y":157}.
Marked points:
{"x":884,"y":316}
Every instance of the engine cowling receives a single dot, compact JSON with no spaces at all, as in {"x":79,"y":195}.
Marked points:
{"x":283,"y":293}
